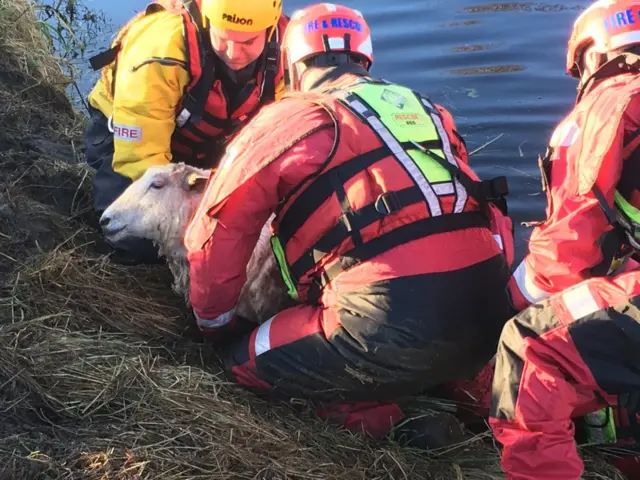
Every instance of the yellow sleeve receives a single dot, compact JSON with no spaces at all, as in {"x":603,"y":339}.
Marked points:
{"x":279,"y":90}
{"x":151,"y":77}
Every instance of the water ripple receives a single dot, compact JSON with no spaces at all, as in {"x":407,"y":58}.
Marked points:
{"x":497,"y":66}
{"x":488,"y":70}
{"x":521,"y":6}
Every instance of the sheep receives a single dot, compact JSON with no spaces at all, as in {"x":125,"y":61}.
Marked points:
{"x":159,"y":205}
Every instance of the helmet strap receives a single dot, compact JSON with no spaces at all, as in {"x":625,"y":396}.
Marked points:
{"x":332,"y":59}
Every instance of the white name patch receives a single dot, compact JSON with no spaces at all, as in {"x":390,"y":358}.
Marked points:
{"x":127,"y":133}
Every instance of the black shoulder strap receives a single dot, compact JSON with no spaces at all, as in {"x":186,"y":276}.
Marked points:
{"x":271,"y":67}
{"x":483,"y":191}
{"x":196,"y":17}
{"x":194,"y":101}
{"x":104,"y":58}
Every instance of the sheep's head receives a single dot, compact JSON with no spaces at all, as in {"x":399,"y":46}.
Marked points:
{"x":157,"y":206}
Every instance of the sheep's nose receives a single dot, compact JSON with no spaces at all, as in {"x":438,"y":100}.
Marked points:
{"x":104,"y":221}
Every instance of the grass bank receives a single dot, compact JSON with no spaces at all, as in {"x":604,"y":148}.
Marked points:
{"x":101,"y":373}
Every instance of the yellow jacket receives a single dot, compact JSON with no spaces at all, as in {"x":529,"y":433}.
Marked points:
{"x":152,"y":73}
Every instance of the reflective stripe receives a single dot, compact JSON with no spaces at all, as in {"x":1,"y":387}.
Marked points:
{"x":262,"y":342}
{"x":446,"y":148}
{"x":600,"y":427}
{"x":182,"y":119}
{"x":624,"y":39}
{"x":565,"y":134}
{"x":498,"y":240}
{"x":218,"y":322}
{"x":285,"y":271}
{"x":398,"y":152}
{"x":579,"y":301}
{"x":528,"y":289}
{"x":443,"y":188}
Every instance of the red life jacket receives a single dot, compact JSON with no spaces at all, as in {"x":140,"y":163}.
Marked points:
{"x":339,"y":217}
{"x":203,"y":119}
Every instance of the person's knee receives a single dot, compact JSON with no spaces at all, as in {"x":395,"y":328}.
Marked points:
{"x":107,"y":186}
{"x":98,"y":140}
{"x":239,"y":368}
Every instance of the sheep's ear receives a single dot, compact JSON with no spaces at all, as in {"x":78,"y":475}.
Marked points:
{"x":195,"y":181}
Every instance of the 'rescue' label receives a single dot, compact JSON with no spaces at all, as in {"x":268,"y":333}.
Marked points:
{"x":409,"y":119}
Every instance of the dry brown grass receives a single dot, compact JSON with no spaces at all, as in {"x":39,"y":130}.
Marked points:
{"x":24,"y":47}
{"x":102,"y":375}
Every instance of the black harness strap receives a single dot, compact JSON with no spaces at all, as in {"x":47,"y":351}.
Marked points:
{"x":104,"y":58}
{"x":345,"y":206}
{"x":352,"y":222}
{"x":483,"y":191}
{"x":271,"y":67}
{"x":322,"y":188}
{"x":385,"y":204}
{"x":396,"y":237}
{"x":194,"y":101}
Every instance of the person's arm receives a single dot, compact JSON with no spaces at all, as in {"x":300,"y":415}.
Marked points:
{"x":568,"y":247}
{"x":150,"y":80}
{"x":219,"y":248}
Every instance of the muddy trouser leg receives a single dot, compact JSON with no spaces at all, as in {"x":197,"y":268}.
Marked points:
{"x":108,"y":185}
{"x":563,"y":358}
{"x":387,"y":340}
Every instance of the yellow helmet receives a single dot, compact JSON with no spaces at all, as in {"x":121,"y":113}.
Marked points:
{"x":242,"y":15}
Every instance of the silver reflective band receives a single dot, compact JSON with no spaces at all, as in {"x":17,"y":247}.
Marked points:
{"x":183,"y":118}
{"x":221,"y":321}
{"x":443,"y":188}
{"x":461,"y":198}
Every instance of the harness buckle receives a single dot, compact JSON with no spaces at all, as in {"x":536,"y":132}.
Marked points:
{"x":272,"y":57}
{"x":630,"y":401}
{"x":192,"y":107}
{"x":344,"y":218}
{"x":496,"y":188}
{"x":315,"y":289}
{"x":387,"y":203}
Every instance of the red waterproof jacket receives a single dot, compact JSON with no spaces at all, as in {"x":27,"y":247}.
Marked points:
{"x":286,"y":145}
{"x":584,"y":161}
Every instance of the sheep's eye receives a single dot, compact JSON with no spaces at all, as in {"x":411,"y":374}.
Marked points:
{"x":157,"y":183}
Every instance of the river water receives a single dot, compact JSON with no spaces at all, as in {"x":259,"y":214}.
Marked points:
{"x":498,"y":67}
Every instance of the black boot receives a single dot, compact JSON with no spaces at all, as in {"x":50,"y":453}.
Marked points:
{"x":428,"y":432}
